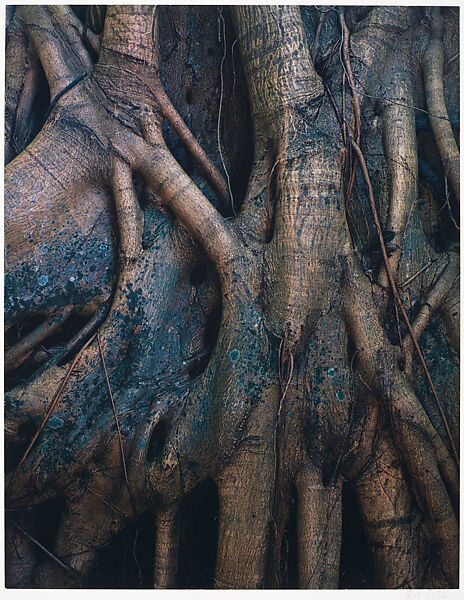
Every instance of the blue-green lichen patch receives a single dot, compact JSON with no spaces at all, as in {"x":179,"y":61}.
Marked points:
{"x":234,"y":355}
{"x":340,"y":395}
{"x":331,"y":372}
{"x":55,"y":422}
{"x":42,"y":280}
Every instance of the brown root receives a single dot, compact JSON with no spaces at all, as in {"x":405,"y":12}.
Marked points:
{"x":20,"y":553}
{"x":438,"y":115}
{"x":401,"y":153}
{"x":86,"y":525}
{"x":58,"y":44}
{"x":399,"y":303}
{"x":249,"y":352}
{"x":21,"y":82}
{"x":392,"y":523}
{"x":177,"y":191}
{"x":435,"y":478}
{"x":430,"y":304}
{"x":245,"y":508}
{"x":166,"y":550}
{"x":22,"y":349}
{"x":319,"y":519}
{"x":184,"y":133}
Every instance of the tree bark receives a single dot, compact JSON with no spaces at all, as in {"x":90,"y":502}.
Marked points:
{"x":219,"y":268}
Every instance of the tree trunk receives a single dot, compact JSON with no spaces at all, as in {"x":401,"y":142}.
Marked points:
{"x":231,"y":297}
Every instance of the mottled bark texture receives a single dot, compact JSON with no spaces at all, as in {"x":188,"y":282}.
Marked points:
{"x":231,"y":292}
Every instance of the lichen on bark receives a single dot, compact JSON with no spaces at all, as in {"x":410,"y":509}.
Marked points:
{"x":221,"y":279}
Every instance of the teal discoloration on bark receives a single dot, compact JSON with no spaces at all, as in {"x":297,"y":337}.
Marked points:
{"x":340,"y":395}
{"x":55,"y":422}
{"x":234,"y":355}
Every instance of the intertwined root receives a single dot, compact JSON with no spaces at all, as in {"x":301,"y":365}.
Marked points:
{"x":278,"y":405}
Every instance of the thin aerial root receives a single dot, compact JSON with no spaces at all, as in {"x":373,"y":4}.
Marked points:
{"x":22,"y":349}
{"x":397,"y":298}
{"x":56,"y":398}
{"x":166,"y":549}
{"x":286,"y":366}
{"x":430,"y":304}
{"x":409,"y":280}
{"x":349,"y":72}
{"x":107,"y":503}
{"x":354,"y":98}
{"x":89,"y":329}
{"x":21,"y":556}
{"x":221,"y":98}
{"x":55,"y":558}
{"x":192,"y":145}
{"x":315,"y":45}
{"x":115,"y":415}
{"x":63,"y":92}
{"x":438,"y":115}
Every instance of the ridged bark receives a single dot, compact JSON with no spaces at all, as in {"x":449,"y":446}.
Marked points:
{"x":260,"y":337}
